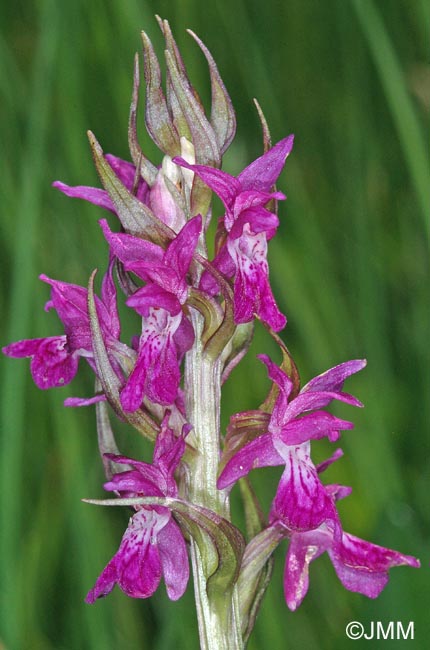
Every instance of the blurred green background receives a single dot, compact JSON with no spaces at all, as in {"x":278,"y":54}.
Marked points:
{"x":349,"y":267}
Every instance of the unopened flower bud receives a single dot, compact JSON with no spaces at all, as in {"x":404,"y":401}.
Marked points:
{"x":161,"y":200}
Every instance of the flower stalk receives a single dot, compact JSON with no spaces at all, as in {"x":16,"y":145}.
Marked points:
{"x":219,"y":623}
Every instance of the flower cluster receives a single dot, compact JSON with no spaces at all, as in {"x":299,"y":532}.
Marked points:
{"x":303,"y":508}
{"x":196,"y":312}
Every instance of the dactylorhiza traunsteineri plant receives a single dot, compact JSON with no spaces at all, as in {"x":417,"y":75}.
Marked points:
{"x":197,"y":323}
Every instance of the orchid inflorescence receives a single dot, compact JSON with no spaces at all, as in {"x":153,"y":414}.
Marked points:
{"x":197,"y":318}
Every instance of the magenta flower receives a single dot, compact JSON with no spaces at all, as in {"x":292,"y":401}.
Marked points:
{"x":152,"y":546}
{"x":158,"y":197}
{"x":166,"y":331}
{"x":248,"y":225}
{"x":301,"y":502}
{"x":54,"y":360}
{"x":126,"y":173}
{"x":165,"y":268}
{"x":360,"y":566}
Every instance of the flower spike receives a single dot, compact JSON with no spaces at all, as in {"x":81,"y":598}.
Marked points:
{"x":192,"y":304}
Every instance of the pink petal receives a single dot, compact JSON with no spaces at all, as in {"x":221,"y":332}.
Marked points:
{"x":257,"y":453}
{"x":168,"y":449}
{"x":70,"y":303}
{"x":126,"y":173}
{"x":52,"y":365}
{"x":145,"y":479}
{"x":321,"y":467}
{"x":263,"y":172}
{"x":151,"y":297}
{"x":258,"y":219}
{"x":252,"y":292}
{"x":164,"y":277}
{"x":104,"y":584}
{"x":252,"y":199}
{"x":174,"y":560}
{"x":310,"y":401}
{"x":301,"y":502}
{"x":94,"y":195}
{"x":27,"y":347}
{"x":156,"y":373}
{"x":184,"y":336}
{"x":109,"y":299}
{"x":84,"y":401}
{"x":303,"y":548}
{"x":129,"y":248}
{"x":313,"y":427}
{"x":332,"y":380}
{"x":180,"y":251}
{"x":278,"y":376}
{"x":136,"y":566}
{"x":363,"y":567}
{"x":138,"y":560}
{"x":227,"y":187}
{"x":337,"y":492}
{"x":224,"y":263}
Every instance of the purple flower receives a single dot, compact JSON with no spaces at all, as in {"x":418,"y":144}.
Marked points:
{"x":52,"y":363}
{"x":54,"y":360}
{"x":158,"y":197}
{"x":301,"y":502}
{"x":360,"y":566}
{"x":248,"y":225}
{"x":166,"y":331}
{"x":126,"y":173}
{"x":167,"y":269}
{"x":152,"y":546}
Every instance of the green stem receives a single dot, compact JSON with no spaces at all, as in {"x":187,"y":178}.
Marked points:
{"x":203,"y":402}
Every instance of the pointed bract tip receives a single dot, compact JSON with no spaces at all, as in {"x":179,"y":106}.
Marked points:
{"x":94,"y":143}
